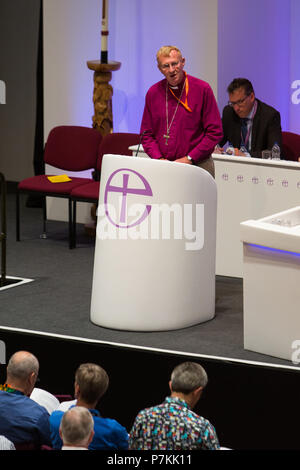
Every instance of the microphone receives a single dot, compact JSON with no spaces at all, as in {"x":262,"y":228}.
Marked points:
{"x":142,"y":135}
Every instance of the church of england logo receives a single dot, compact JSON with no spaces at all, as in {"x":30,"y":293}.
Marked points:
{"x":126,"y":182}
{"x":128,"y":212}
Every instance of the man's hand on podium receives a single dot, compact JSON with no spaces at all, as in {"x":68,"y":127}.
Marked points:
{"x":184,"y":160}
{"x":218,"y":149}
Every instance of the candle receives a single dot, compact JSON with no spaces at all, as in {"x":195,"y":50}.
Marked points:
{"x":104,"y":31}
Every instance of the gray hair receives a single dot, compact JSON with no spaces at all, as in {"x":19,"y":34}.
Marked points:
{"x":76,"y":425}
{"x":21,"y":365}
{"x":188,"y":376}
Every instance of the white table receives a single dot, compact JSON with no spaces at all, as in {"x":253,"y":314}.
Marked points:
{"x":271,"y":259}
{"x":248,"y":188}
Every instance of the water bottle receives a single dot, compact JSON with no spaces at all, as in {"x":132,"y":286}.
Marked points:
{"x":275,"y":152}
{"x":245,"y":151}
{"x":230,"y":149}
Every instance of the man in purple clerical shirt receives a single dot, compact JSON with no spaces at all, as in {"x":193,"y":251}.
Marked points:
{"x":181,"y":121}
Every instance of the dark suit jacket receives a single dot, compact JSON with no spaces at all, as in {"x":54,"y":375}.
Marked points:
{"x":266,"y":129}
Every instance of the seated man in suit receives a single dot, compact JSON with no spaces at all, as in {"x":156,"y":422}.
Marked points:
{"x":248,"y":122}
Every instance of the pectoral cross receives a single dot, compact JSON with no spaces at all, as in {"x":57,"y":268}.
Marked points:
{"x":166,"y":136}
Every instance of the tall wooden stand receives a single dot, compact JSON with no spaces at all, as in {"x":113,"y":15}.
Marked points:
{"x":103,"y":116}
{"x":102,"y":95}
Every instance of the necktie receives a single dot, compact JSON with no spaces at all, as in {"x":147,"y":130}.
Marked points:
{"x":244,"y":129}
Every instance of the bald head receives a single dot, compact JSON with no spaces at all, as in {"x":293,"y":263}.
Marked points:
{"x":22,"y":371}
{"x":77,"y":427}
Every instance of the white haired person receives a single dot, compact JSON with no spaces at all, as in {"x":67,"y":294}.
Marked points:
{"x":76,"y":429}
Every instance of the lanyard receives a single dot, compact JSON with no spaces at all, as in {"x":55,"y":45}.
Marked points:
{"x":7,"y":388}
{"x":249,"y":128}
{"x":184,"y":104}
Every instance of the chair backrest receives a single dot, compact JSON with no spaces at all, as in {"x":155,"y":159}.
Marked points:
{"x":72,"y":148}
{"x":290,"y":146}
{"x":62,"y":398}
{"x":116,"y":143}
{"x":27,"y":446}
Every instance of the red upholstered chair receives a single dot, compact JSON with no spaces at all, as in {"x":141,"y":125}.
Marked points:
{"x":116,"y":143}
{"x":290,"y":146}
{"x":71,"y":149}
{"x":27,"y":446}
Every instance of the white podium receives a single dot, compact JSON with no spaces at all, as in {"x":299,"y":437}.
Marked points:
{"x":154,"y":266}
{"x":271,"y":254}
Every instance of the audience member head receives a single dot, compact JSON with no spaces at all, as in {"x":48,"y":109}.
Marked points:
{"x":188,"y":380}
{"x":22,"y":371}
{"x":171,"y":64}
{"x":91,"y":383}
{"x":241,"y":96}
{"x":77,"y":427}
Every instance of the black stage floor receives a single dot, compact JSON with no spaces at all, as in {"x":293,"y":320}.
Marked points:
{"x":57,"y":300}
{"x":251,"y":398}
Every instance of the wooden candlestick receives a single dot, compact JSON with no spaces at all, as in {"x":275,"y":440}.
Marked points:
{"x":102,"y":95}
{"x":103,"y":116}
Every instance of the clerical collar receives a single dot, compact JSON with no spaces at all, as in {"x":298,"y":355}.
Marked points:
{"x":180,"y":85}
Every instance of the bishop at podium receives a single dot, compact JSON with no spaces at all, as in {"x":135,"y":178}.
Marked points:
{"x":181,"y":120}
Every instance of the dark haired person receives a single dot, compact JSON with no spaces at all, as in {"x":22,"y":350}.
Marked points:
{"x":173,"y":425}
{"x":248,"y":122}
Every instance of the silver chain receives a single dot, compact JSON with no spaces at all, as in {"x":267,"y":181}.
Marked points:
{"x":167,"y":110}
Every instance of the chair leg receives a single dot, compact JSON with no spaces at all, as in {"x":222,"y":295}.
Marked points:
{"x":71,"y":238}
{"x":74,"y":223}
{"x":44,"y":234}
{"x":17,"y":216}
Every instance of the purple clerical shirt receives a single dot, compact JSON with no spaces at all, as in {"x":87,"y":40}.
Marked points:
{"x":194,"y":133}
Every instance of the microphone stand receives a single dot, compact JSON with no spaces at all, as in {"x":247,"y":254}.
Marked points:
{"x":142,"y":135}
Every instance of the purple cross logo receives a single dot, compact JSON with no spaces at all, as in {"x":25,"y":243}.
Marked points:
{"x":125,"y":191}
{"x":225,"y":176}
{"x":270,"y":181}
{"x":240,"y":178}
{"x":298,"y":185}
{"x":255,"y":180}
{"x":284,"y":183}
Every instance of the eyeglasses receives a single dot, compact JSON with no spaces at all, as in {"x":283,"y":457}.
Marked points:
{"x":239,"y":102}
{"x":172,"y":64}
